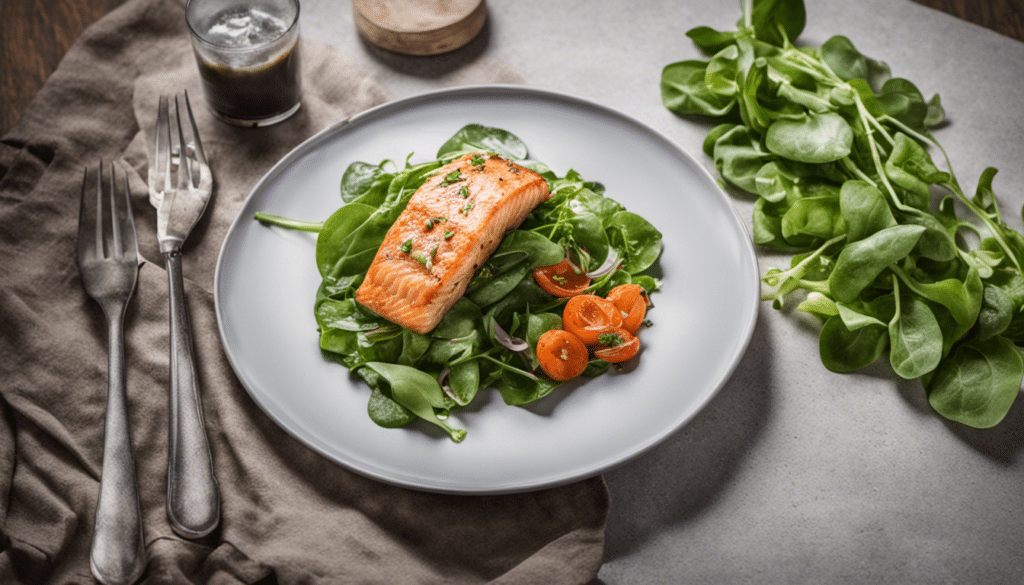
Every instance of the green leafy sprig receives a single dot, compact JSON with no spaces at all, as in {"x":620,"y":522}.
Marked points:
{"x":836,"y":150}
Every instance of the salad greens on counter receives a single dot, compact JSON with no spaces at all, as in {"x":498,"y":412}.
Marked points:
{"x":413,"y":376}
{"x":837,"y":151}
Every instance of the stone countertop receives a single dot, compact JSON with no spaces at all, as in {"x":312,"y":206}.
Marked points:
{"x":792,"y":473}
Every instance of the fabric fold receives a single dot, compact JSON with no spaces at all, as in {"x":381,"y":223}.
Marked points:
{"x":289,"y":515}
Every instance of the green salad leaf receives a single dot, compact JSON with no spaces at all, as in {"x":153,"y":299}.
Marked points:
{"x":837,"y":153}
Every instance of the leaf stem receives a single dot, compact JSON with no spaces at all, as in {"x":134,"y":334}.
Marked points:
{"x":295,"y":224}
{"x":509,"y":368}
{"x":864,"y":115}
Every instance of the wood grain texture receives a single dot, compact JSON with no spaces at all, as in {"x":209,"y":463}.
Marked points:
{"x":35,"y":34}
{"x":1003,"y":16}
{"x":419,"y":27}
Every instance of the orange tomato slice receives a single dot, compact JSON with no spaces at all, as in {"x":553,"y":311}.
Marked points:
{"x":632,"y":300}
{"x":561,"y":355}
{"x":586,"y":316}
{"x":564,"y":279}
{"x":616,"y":345}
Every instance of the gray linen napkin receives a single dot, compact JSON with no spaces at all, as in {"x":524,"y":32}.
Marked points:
{"x":289,"y":515}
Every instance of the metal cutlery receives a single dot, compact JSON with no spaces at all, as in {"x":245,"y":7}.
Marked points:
{"x":108,"y":261}
{"x":180,"y":185}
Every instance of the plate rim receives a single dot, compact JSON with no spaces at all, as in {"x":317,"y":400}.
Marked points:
{"x":405,"y":103}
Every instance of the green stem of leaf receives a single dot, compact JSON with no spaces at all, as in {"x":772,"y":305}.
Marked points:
{"x":502,"y":365}
{"x":295,"y":224}
{"x":864,"y":116}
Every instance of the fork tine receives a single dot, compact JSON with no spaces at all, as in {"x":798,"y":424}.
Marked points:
{"x":157,"y":166}
{"x":126,"y":217}
{"x":184,"y":161}
{"x":195,"y":131}
{"x":100,"y":251}
{"x":115,"y":219}
{"x":165,"y":120}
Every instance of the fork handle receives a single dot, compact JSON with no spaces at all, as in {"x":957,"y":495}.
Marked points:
{"x":193,"y":502}
{"x":118,"y":554}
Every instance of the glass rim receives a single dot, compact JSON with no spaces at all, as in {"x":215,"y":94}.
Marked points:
{"x":196,"y":36}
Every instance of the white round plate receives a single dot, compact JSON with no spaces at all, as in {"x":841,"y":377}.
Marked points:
{"x":703,"y":316}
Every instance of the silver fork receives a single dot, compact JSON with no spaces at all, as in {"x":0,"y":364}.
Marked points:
{"x":180,"y":185}
{"x":108,"y":262}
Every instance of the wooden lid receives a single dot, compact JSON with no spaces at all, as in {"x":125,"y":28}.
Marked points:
{"x":419,"y":27}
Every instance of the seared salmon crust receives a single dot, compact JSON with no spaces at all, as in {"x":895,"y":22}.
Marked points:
{"x":449,"y":228}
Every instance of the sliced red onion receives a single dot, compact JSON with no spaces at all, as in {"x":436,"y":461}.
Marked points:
{"x":442,"y":380}
{"x":513,"y":343}
{"x":610,"y":264}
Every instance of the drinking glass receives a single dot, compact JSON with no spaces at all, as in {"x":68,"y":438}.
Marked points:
{"x":248,"y":57}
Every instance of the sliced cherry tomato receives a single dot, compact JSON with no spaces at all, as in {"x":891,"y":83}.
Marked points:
{"x":564,"y":279}
{"x":632,"y":300}
{"x":587,"y":315}
{"x":616,"y":345}
{"x":561,"y":354}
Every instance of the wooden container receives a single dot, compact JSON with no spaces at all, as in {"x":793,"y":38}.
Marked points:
{"x":419,"y":27}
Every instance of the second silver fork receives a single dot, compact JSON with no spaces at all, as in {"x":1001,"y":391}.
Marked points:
{"x":180,"y":185}
{"x":108,"y":261}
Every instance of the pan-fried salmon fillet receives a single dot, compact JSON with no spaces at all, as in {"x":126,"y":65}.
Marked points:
{"x":449,"y":228}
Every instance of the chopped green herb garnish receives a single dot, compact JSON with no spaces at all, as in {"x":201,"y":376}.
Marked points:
{"x":477,"y":160}
{"x":420,"y":258}
{"x":610,"y":339}
{"x":648,"y":322}
{"x":465,"y":208}
{"x":433,"y":252}
{"x":407,"y":246}
{"x":464,"y":192}
{"x":430,"y":224}
{"x":448,"y":234}
{"x":452,"y":177}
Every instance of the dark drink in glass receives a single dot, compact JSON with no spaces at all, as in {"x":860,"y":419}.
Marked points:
{"x":248,"y":57}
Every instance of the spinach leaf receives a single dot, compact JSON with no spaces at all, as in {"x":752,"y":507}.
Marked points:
{"x":517,"y":255}
{"x":683,"y":91}
{"x":464,"y":381}
{"x":864,"y":209}
{"x":860,"y":262}
{"x":848,"y":63}
{"x":962,"y":297}
{"x":480,"y":138}
{"x":739,"y":156}
{"x":386,"y":412}
{"x":915,"y":339}
{"x":996,"y":312}
{"x":776,"y":21}
{"x":337,"y":243}
{"x":902,"y":100}
{"x":978,"y":383}
{"x":365,"y":181}
{"x":638,"y":241}
{"x":417,"y":391}
{"x":814,"y":138}
{"x":814,"y":216}
{"x":910,"y":167}
{"x":519,"y":390}
{"x":709,"y":39}
{"x":843,"y":350}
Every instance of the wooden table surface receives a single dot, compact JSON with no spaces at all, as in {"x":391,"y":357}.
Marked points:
{"x":37,"y":33}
